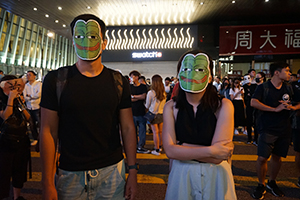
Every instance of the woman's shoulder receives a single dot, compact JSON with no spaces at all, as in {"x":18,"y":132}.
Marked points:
{"x":226,"y":104}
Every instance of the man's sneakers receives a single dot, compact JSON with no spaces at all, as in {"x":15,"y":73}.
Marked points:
{"x":298,"y":183}
{"x":259,"y":192}
{"x":236,"y":132}
{"x":274,"y":189}
{"x":154,"y":152}
{"x":34,"y":142}
{"x":142,"y":150}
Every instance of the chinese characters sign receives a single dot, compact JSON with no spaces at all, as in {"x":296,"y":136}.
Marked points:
{"x":260,"y":39}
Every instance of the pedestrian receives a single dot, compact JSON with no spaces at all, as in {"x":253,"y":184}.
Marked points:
{"x":236,"y":94}
{"x":225,"y":88}
{"x":197,"y":134}
{"x":272,"y":99}
{"x":32,"y":95}
{"x":14,"y":140}
{"x":138,"y":97}
{"x":168,"y":88}
{"x":85,"y":117}
{"x":155,"y":102}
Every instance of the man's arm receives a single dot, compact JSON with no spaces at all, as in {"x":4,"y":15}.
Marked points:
{"x":48,"y":141}
{"x":129,"y":143}
{"x":138,"y":97}
{"x":263,"y":107}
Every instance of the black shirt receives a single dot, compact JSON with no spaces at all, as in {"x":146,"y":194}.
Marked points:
{"x":249,"y":91}
{"x":88,"y":118}
{"x":138,"y":107}
{"x":195,"y":130}
{"x":275,"y":123}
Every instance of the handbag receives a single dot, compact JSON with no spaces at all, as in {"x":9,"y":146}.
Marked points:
{"x":150,"y":116}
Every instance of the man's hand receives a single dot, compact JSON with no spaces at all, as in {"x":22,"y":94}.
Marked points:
{"x":49,"y":193}
{"x":131,"y":185}
{"x":285,"y":105}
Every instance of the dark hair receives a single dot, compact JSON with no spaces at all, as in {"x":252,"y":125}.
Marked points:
{"x":295,"y":75}
{"x":298,"y":72}
{"x":263,"y":75}
{"x":236,"y":79}
{"x":134,"y":73}
{"x":8,"y":77}
{"x":211,"y":99}
{"x":86,"y":17}
{"x":142,"y":77}
{"x":223,"y":85}
{"x":278,"y":66}
{"x":34,"y":73}
{"x":250,"y":70}
{"x":168,"y":79}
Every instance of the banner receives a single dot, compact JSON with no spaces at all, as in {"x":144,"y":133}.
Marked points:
{"x":259,"y":39}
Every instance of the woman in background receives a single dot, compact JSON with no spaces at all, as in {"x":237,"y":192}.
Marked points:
{"x":155,"y":102}
{"x":225,"y":88}
{"x":197,"y":134}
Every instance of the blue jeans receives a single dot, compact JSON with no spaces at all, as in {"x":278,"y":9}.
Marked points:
{"x":107,"y":183}
{"x":140,"y":121}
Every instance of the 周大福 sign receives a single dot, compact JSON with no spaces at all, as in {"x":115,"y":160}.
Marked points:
{"x":259,"y":39}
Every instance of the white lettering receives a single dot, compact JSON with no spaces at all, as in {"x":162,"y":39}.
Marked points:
{"x":153,"y":54}
{"x":243,"y":39}
{"x":268,"y":36}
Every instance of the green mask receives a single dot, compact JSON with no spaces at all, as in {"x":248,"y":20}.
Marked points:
{"x":194,"y":73}
{"x":87,"y":39}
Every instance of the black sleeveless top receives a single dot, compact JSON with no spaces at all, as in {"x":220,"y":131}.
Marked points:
{"x":195,"y":130}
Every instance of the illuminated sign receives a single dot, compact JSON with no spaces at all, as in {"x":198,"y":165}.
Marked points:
{"x":153,"y":54}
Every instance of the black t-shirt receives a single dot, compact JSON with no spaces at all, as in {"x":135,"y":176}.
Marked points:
{"x":275,"y":123}
{"x":249,"y":91}
{"x":88,"y":118}
{"x":138,"y":107}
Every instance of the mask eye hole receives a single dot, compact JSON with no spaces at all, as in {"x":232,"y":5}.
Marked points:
{"x":92,"y":37}
{"x":186,"y":70}
{"x":79,"y":36}
{"x":200,"y":70}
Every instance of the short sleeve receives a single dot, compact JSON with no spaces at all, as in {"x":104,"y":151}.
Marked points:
{"x":258,"y":94}
{"x":126,"y":96}
{"x":49,"y":98}
{"x":231,"y":92}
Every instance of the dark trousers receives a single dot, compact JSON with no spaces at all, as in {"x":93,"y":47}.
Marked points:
{"x":249,"y":122}
{"x":35,"y":116}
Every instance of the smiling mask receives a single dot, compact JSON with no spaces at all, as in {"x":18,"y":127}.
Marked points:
{"x":194,"y":73}
{"x":87,"y":39}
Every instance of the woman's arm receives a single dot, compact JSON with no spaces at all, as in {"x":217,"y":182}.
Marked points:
{"x":220,"y":150}
{"x":148,"y":99}
{"x":9,"y":108}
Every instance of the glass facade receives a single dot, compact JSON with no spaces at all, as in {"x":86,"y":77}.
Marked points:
{"x":26,"y":46}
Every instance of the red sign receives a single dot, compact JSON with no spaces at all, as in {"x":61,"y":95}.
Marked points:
{"x":260,"y":39}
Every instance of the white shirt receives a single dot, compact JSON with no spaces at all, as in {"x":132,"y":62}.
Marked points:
{"x":153,"y":104}
{"x":236,"y":90}
{"x":34,"y":90}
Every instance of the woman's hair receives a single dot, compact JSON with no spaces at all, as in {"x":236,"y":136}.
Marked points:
{"x":158,"y":87}
{"x":211,"y":99}
{"x":223,"y":85}
{"x":234,"y":80}
{"x":263,"y":75}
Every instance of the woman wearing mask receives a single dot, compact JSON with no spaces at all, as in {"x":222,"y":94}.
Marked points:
{"x":236,"y":95}
{"x":225,"y":88}
{"x":197,"y":134}
{"x":155,"y":102}
{"x":14,"y":141}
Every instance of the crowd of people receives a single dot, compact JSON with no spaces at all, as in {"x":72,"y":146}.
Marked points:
{"x":192,"y":117}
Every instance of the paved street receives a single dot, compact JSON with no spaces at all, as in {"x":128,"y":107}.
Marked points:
{"x":153,"y":174}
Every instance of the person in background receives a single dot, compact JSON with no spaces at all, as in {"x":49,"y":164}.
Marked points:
{"x":217,"y":83}
{"x":14,"y":140}
{"x":249,"y":89}
{"x":1,"y":74}
{"x":293,"y":78}
{"x":155,"y":102}
{"x":86,"y":119}
{"x":260,"y":78}
{"x":168,"y":88}
{"x":252,"y":74}
{"x":138,"y":96}
{"x":197,"y":134}
{"x":225,"y":88}
{"x":142,"y":80}
{"x":236,"y":95}
{"x":272,"y":99}
{"x":32,"y":95}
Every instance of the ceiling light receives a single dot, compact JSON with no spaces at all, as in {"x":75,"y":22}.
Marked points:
{"x":50,"y":34}
{"x":233,"y":2}
{"x":266,"y":0}
{"x":56,"y":21}
{"x":59,"y":8}
{"x":46,"y":15}
{"x":88,"y":7}
{"x":64,"y":25}
{"x":201,"y":3}
{"x":35,"y":9}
